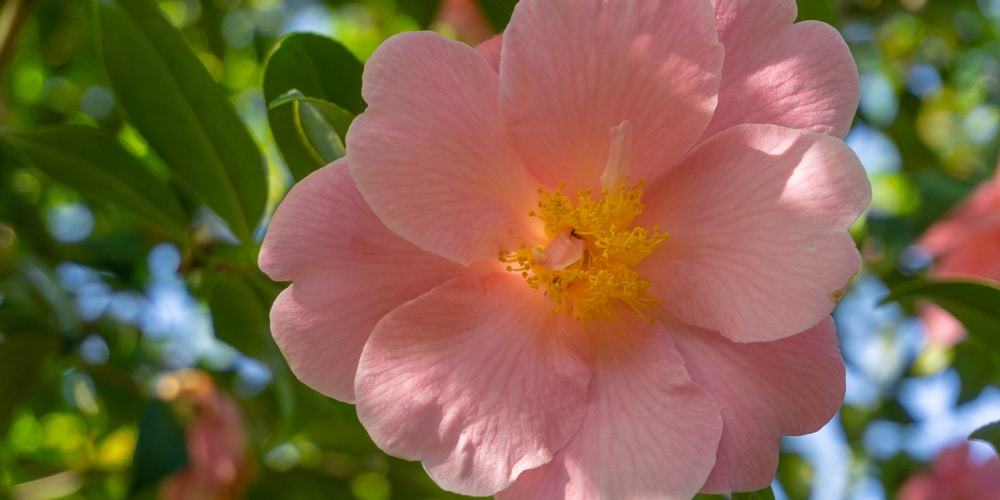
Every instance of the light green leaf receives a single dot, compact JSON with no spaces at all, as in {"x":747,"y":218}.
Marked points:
{"x":764,"y":494}
{"x":317,"y":68}
{"x":320,"y":125}
{"x":989,"y":433}
{"x":182,"y":113}
{"x":93,"y":163}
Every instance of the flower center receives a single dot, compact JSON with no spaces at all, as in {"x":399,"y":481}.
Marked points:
{"x":587,"y":264}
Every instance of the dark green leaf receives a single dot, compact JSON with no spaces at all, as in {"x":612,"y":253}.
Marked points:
{"x":159,"y":449}
{"x":318,"y":68}
{"x":989,"y":433}
{"x":321,"y":125}
{"x":240,"y":317}
{"x":184,"y":115}
{"x":94,"y":164}
{"x":764,"y":494}
{"x":977,"y":368}
{"x":975,"y":304}
{"x":21,"y":358}
{"x":498,"y":12}
{"x":818,"y":10}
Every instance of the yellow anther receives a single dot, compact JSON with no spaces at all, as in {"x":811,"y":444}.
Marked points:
{"x":587,"y":284}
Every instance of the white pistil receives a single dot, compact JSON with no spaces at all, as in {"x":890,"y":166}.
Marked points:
{"x":616,"y":171}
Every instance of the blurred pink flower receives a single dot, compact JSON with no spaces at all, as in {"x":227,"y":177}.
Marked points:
{"x":955,"y":476}
{"x":966,"y":244}
{"x":215,"y":440}
{"x":671,"y":232}
{"x":465,"y":19}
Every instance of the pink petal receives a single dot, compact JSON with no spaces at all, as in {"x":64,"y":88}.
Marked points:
{"x":797,"y":76}
{"x":758,"y":218}
{"x":349,"y":271}
{"x":430,"y":154}
{"x":977,"y":217}
{"x":942,"y":328}
{"x":650,"y":432}
{"x":490,"y":49}
{"x":571,"y":70}
{"x":477,"y":379}
{"x":767,"y":390}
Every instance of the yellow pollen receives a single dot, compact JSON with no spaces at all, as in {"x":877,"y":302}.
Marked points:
{"x":587,"y":284}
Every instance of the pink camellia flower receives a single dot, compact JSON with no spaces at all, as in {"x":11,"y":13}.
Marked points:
{"x":965,"y":244}
{"x":594,"y":258}
{"x":955,"y":476}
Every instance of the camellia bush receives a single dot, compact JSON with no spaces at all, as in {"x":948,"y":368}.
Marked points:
{"x":540,"y":249}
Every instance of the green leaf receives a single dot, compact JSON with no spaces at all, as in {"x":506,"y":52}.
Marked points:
{"x":317,"y":68}
{"x":320,"y":125}
{"x":764,"y":494}
{"x":817,"y":10}
{"x":976,"y":304}
{"x":498,"y":12}
{"x":977,"y":367}
{"x":182,"y":112}
{"x":240,"y":316}
{"x":159,"y":450}
{"x":93,"y":163}
{"x":989,"y":433}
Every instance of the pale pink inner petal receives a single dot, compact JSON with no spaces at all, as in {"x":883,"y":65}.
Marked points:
{"x":573,"y":69}
{"x":349,"y":271}
{"x":767,"y":390}
{"x":430,"y":154}
{"x":477,"y":379}
{"x":797,"y":76}
{"x":650,"y":432}
{"x":758,"y":218}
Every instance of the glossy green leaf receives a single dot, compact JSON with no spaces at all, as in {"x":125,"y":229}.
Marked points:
{"x":182,"y":112}
{"x":989,"y":433}
{"x":764,"y":494}
{"x":317,"y":68}
{"x":93,"y":163}
{"x":321,"y":126}
{"x":975,"y":304}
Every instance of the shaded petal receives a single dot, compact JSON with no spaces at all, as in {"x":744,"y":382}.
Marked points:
{"x":571,"y":70}
{"x":758,"y":218}
{"x":349,"y":271}
{"x":767,"y":390}
{"x":796,"y":76}
{"x":490,"y":49}
{"x":429,"y":154}
{"x":650,"y":432}
{"x":477,"y":379}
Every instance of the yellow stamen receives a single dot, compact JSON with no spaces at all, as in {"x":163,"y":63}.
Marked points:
{"x":588,"y":285}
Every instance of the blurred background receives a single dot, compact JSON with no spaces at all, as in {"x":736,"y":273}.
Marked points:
{"x":135,"y":361}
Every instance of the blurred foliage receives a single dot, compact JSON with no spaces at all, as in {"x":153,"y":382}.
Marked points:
{"x":143,"y":153}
